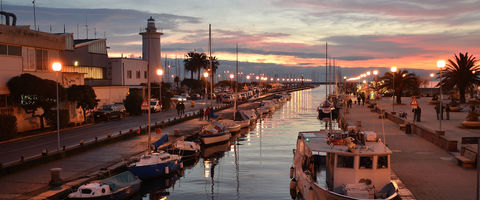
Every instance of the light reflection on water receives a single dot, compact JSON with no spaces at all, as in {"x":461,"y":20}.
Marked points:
{"x":255,"y":164}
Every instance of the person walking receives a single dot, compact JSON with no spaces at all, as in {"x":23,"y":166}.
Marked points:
{"x":418,"y":112}
{"x":359,"y":99}
{"x":200,"y":113}
{"x":177,"y":107}
{"x":447,"y":110}
{"x":207,"y":114}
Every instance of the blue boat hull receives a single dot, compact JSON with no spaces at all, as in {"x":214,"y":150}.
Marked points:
{"x":152,"y":171}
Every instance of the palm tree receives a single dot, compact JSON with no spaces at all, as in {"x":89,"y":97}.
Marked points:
{"x":404,"y":81}
{"x":215,"y":65}
{"x":195,"y":62}
{"x":460,"y":74}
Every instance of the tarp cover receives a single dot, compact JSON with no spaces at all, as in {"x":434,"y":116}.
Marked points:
{"x":160,"y":141}
{"x":121,"y":180}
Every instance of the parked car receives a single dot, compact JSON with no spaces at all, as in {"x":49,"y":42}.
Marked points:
{"x":178,"y":98}
{"x":227,"y":99}
{"x":196,"y":97}
{"x":108,"y":112}
{"x":155,"y":105}
{"x":210,"y":96}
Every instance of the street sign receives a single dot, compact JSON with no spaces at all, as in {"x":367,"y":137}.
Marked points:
{"x":414,"y":102}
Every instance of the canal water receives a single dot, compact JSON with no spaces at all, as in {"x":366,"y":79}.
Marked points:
{"x":253,"y":165}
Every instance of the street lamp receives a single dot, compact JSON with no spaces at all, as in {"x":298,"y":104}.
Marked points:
{"x":441,"y":65}
{"x":231,"y":80}
{"x":393,"y":70}
{"x":57,"y":67}
{"x":160,"y":73}
{"x":205,"y":74}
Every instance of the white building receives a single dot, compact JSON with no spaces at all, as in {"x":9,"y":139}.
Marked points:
{"x":128,"y":71}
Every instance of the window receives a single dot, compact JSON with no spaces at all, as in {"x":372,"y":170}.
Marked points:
{"x":129,"y":73}
{"x":41,"y":59}
{"x":10,"y":50}
{"x":366,"y":162}
{"x":28,"y":59}
{"x":145,"y":74}
{"x":138,"y":74}
{"x":14,"y":50}
{"x":345,"y":161}
{"x":382,"y":162}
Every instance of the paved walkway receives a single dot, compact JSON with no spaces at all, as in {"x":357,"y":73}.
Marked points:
{"x":26,"y":183}
{"x":452,"y":127}
{"x":428,"y":171}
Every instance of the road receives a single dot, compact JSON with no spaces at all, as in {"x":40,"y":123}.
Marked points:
{"x":12,"y":151}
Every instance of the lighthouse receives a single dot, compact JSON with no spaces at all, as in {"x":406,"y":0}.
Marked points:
{"x":151,"y":51}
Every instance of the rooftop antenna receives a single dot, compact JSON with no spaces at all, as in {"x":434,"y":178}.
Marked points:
{"x":326,"y":70}
{"x":86,"y":26}
{"x":63,"y":28}
{"x":1,"y":9}
{"x":95,"y":32}
{"x":34,"y":16}
{"x":105,"y":34}
{"x":50,"y":28}
{"x":77,"y":31}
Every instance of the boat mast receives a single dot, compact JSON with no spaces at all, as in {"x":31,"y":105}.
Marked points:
{"x":236,"y":87}
{"x":326,"y":70}
{"x":211,"y":64}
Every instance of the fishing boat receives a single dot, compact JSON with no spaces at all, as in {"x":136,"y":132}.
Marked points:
{"x":184,"y":148}
{"x":268,"y":104}
{"x":341,"y":165}
{"x":230,"y":125}
{"x":214,"y":133}
{"x":252,"y":116}
{"x":121,"y":186}
{"x":156,"y":164}
{"x":242,"y":119}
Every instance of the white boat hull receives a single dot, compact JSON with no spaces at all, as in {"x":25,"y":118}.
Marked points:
{"x":215,"y":139}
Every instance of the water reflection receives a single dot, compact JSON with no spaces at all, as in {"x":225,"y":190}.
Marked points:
{"x":254,"y":163}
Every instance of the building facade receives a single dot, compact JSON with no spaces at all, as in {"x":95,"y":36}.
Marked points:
{"x":151,"y":49}
{"x":129,"y":71}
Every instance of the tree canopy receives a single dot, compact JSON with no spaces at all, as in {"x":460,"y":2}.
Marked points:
{"x":85,"y":97}
{"x":195,"y":62}
{"x":403,"y":81}
{"x":460,"y":73}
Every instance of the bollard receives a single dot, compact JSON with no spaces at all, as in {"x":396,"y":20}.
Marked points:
{"x":119,"y":132}
{"x":22,"y":158}
{"x":131,"y":130}
{"x":44,"y":152}
{"x":55,"y":179}
{"x":63,"y":148}
{"x":109,"y":135}
{"x":81,"y":143}
{"x":96,"y":139}
{"x":139,"y":130}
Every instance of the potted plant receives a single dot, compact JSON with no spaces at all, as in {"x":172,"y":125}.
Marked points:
{"x":472,"y":120}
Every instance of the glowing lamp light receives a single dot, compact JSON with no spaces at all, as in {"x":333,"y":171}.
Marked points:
{"x":393,"y":69}
{"x":75,"y":63}
{"x":368,"y":73}
{"x":248,"y":77}
{"x":271,"y":79}
{"x":232,"y":76}
{"x":344,"y":77}
{"x":257,"y":77}
{"x":403,"y":75}
{"x":56,"y":66}
{"x":432,"y":75}
{"x":205,"y":74}
{"x":283,"y":79}
{"x":375,"y":72}
{"x":440,"y":64}
{"x":364,"y":81}
{"x":160,"y":72}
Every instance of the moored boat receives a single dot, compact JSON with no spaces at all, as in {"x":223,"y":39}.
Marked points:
{"x":214,"y":133}
{"x":184,"y":148}
{"x":341,"y":165}
{"x":230,"y":125}
{"x":155,"y":165}
{"x":120,"y":186}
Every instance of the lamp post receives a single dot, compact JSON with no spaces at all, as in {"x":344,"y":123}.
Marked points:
{"x":205,"y":75}
{"x":231,"y":81}
{"x":393,"y":70}
{"x":57,"y":67}
{"x":441,"y":65}
{"x":160,"y":73}
{"x":375,"y":73}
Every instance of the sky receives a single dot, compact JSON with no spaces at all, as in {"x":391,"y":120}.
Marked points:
{"x":276,"y":36}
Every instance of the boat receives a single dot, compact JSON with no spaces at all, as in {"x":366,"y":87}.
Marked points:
{"x":120,"y":186}
{"x":268,"y":104}
{"x":263,"y":110}
{"x":230,"y":125}
{"x":252,"y":116}
{"x":242,"y":119}
{"x":155,"y":164}
{"x":215,"y":151}
{"x":214,"y":133}
{"x":184,"y":148}
{"x":341,"y":165}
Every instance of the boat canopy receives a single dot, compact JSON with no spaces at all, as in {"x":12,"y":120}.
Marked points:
{"x":161,"y":141}
{"x":121,"y":180}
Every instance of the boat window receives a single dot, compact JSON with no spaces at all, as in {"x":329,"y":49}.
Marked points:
{"x":345,"y":161}
{"x":382,"y":162}
{"x":86,"y":191}
{"x":103,"y":190}
{"x":366,"y":162}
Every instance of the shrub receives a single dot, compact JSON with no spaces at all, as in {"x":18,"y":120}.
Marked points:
{"x":52,"y":118}
{"x":133,"y":103}
{"x":8,"y":127}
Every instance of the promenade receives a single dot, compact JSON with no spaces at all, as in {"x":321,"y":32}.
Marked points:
{"x":428,"y":171}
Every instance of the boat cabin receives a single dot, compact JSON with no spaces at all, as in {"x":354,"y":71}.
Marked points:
{"x":352,"y":163}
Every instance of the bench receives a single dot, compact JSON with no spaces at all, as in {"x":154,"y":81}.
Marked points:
{"x":467,"y":158}
{"x":403,"y":127}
